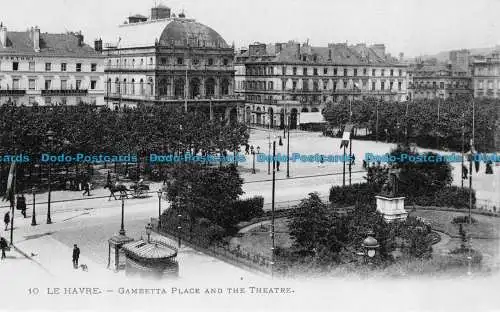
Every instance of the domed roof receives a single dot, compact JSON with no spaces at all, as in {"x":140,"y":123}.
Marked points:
{"x":181,"y":31}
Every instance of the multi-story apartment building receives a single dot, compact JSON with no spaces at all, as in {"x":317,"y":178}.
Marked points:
{"x":170,"y":60}
{"x":460,"y":58}
{"x":300,"y":78}
{"x":486,"y":76}
{"x":47,"y":69}
{"x":438,"y":81}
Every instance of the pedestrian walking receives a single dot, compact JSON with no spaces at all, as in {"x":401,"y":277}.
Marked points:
{"x":108,"y":179}
{"x":321,"y":161}
{"x":3,"y":246}
{"x":247,"y":149}
{"x":364,"y":164}
{"x":21,"y":204}
{"x":353,"y":159}
{"x":86,"y":189}
{"x":6,"y":220}
{"x":76,"y":256}
{"x":278,"y":165}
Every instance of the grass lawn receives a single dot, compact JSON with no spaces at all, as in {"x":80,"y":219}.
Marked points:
{"x":486,"y":227}
{"x":258,"y":240}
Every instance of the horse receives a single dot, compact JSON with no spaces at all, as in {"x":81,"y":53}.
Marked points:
{"x":121,"y":188}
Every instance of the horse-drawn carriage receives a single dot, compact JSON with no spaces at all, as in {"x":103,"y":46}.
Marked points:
{"x":138,"y":189}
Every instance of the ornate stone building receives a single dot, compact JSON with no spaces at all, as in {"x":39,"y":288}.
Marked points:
{"x":300,"y":78}
{"x":46,"y":69}
{"x":486,"y":76}
{"x":169,"y":60}
{"x":442,"y":81}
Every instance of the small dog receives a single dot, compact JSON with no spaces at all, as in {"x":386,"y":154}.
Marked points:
{"x":84,"y":267}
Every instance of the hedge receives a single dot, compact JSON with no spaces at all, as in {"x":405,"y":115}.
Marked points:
{"x":247,"y":209}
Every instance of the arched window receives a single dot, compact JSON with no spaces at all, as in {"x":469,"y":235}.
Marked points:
{"x":132,"y":87}
{"x":163,"y":88}
{"x":117,"y":86}
{"x":141,"y":87}
{"x":179,"y":88}
{"x":124,"y":86}
{"x":108,"y":86}
{"x":133,"y":63}
{"x":151,"y":86}
{"x":210,"y":87}
{"x":224,"y":87}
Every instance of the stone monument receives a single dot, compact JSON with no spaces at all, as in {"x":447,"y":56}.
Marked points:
{"x":391,"y":206}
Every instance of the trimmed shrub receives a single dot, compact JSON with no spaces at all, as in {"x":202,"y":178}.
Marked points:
{"x":247,"y":209}
{"x":359,"y":193}
{"x":454,"y":196}
{"x":462,"y":219}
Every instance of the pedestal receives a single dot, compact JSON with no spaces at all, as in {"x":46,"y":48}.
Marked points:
{"x":392,"y":208}
{"x":116,"y":256}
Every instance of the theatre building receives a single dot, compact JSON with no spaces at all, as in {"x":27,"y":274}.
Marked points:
{"x":39,"y":68}
{"x":171,"y":60}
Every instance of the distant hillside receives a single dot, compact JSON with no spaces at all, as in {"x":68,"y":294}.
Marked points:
{"x":445,"y":55}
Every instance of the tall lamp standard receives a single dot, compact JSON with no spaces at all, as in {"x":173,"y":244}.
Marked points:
{"x":122,"y":226}
{"x":288,"y":149}
{"x":253,"y":156}
{"x":179,"y":228}
{"x":50,"y":136}
{"x":159,"y":192}
{"x":149,"y":228}
{"x":33,"y":216}
{"x":272,"y":208}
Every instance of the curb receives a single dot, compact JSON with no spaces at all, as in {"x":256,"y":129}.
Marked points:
{"x":33,"y":260}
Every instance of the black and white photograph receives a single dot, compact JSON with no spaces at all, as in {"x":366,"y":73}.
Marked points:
{"x":237,"y":155}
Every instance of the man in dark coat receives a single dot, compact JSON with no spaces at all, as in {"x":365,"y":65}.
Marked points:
{"x":76,"y":256}
{"x":6,"y":220}
{"x":3,"y":246}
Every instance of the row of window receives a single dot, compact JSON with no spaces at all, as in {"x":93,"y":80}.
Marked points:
{"x":50,"y":67}
{"x":434,"y":85}
{"x":164,"y":62}
{"x":491,"y":84}
{"x":263,"y":71}
{"x":261,"y":85}
{"x":32,"y":84}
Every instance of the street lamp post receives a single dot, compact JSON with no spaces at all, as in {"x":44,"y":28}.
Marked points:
{"x":33,"y":216}
{"x":159,"y":208}
{"x":288,"y":149}
{"x":149,"y":228}
{"x":272,"y":209}
{"x":253,"y":156}
{"x":122,"y":226}
{"x":179,"y":227}
{"x":50,"y":136}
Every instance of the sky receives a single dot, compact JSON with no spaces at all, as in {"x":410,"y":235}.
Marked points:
{"x":414,"y":27}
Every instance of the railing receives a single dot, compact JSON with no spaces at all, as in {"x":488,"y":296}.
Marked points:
{"x":150,"y":67}
{"x":234,"y":256}
{"x":64,"y":92}
{"x":12,"y":92}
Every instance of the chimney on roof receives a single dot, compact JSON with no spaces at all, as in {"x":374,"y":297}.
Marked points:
{"x":36,"y":39}
{"x":277,"y":47}
{"x":3,"y":36}
{"x":379,"y":49}
{"x":98,"y":45}
{"x":160,"y":12}
{"x":401,"y":56}
{"x":329,"y":54}
{"x":79,"y":36}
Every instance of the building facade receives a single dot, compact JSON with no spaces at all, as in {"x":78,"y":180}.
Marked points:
{"x":438,"y":81}
{"x":461,"y":58}
{"x":290,"y":78}
{"x":49,"y":69}
{"x":486,"y":76}
{"x":169,"y":60}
